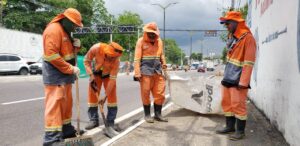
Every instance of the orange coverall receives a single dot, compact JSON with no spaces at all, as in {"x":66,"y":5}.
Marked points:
{"x":149,"y":60}
{"x":109,"y":71}
{"x":58,"y":77}
{"x":240,"y":61}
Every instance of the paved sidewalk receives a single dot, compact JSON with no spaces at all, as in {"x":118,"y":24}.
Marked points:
{"x":187,"y":128}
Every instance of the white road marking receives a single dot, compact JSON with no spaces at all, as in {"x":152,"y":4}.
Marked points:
{"x":21,"y":101}
{"x":118,"y":120}
{"x":129,"y":129}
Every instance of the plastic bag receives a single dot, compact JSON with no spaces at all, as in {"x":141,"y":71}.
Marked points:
{"x":199,"y":94}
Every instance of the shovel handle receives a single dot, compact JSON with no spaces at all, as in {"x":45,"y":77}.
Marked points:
{"x":101,"y":106}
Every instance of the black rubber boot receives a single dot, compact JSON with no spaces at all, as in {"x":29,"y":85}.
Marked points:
{"x":148,"y":117}
{"x":157,"y":112}
{"x":91,"y":125}
{"x":240,"y":130}
{"x":230,"y":123}
{"x":69,"y":131}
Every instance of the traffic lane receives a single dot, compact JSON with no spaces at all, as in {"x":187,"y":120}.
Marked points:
{"x":21,"y":90}
{"x":26,"y":120}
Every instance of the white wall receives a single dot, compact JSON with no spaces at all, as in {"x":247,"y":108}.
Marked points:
{"x":276,"y":77}
{"x":28,"y":45}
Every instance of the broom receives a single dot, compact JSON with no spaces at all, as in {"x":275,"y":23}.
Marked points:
{"x":78,"y":140}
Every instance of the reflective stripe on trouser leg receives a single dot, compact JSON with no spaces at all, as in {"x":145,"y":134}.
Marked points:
{"x":158,"y":89}
{"x":54,"y":102}
{"x":238,"y":102}
{"x":112,"y":108}
{"x":146,"y":84}
{"x":92,"y":98}
{"x":226,"y":102}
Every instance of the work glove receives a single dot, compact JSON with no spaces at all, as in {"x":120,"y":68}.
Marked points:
{"x":165,"y":74}
{"x":76,"y":42}
{"x":137,"y":78}
{"x":164,"y":67}
{"x":76,"y":70}
{"x":102,"y":100}
{"x":94,"y":86}
{"x":92,"y":78}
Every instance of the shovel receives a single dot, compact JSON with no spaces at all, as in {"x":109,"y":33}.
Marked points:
{"x":109,"y":131}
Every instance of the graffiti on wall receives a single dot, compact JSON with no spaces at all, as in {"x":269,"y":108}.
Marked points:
{"x":264,"y":5}
{"x":274,"y":36}
{"x":298,"y":37}
{"x":256,"y":36}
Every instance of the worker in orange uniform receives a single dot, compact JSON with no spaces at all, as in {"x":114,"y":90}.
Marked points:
{"x":236,"y":82}
{"x":59,"y":72}
{"x":148,"y":70}
{"x":105,"y":72}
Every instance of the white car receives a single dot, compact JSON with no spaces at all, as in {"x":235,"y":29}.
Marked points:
{"x":11,"y":63}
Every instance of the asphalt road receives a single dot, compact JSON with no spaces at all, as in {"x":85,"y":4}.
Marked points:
{"x":22,"y":105}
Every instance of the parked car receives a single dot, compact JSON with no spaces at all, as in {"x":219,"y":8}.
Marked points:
{"x":201,"y":69}
{"x":36,"y":68}
{"x":13,"y":64}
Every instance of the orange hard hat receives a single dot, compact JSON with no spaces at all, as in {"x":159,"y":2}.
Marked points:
{"x":151,"y":27}
{"x":74,"y":15}
{"x":113,"y":49}
{"x":232,"y":15}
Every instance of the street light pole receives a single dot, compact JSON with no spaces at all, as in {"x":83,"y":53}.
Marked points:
{"x":191,"y":49}
{"x":164,"y":9}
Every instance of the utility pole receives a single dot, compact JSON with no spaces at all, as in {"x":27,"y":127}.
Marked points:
{"x":111,"y":32}
{"x":181,"y":61}
{"x":232,"y":5}
{"x":164,"y":8}
{"x":191,"y":49}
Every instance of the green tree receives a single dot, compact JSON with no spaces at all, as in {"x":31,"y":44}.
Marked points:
{"x":33,"y":16}
{"x":128,"y":41}
{"x":100,"y":13}
{"x":196,"y":56}
{"x":173,"y":52}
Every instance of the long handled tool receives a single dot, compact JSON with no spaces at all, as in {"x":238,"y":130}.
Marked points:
{"x":101,"y":108}
{"x":101,"y":105}
{"x":109,"y":131}
{"x":78,"y":140}
{"x":167,"y":77}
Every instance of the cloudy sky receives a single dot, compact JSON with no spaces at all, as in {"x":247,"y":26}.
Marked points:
{"x":186,"y":14}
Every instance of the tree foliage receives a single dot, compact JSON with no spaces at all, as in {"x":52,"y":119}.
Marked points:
{"x":33,"y":16}
{"x":196,"y":56}
{"x":128,"y":41}
{"x":173,"y":52}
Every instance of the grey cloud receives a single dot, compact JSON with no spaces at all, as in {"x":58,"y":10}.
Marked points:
{"x":187,"y":14}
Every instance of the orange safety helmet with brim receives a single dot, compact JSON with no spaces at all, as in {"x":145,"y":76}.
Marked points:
{"x":113,"y":49}
{"x":72,"y":14}
{"x":232,"y":15}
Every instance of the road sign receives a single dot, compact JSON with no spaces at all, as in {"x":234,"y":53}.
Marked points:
{"x":210,"y":33}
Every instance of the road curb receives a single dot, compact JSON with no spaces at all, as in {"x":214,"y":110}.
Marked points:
{"x":122,"y":123}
